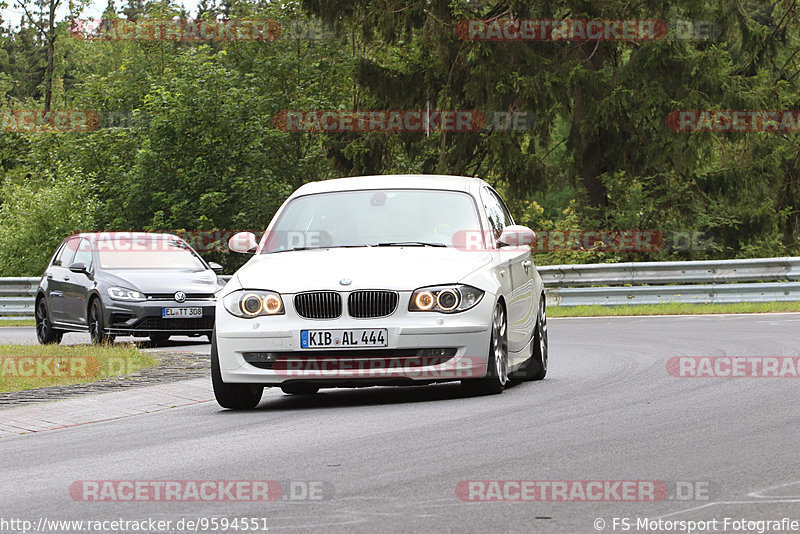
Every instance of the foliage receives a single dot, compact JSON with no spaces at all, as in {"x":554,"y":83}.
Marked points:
{"x":187,"y":140}
{"x":35,"y":218}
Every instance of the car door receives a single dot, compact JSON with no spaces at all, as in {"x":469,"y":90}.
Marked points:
{"x":76,"y":286}
{"x":518,"y":266}
{"x":57,"y":275}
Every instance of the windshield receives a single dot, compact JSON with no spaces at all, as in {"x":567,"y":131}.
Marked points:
{"x":373,"y":218}
{"x":147,"y":253}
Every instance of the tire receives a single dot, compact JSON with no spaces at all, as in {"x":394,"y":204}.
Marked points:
{"x":536,"y":366}
{"x":497,"y":367}
{"x":97,"y":323}
{"x":232,"y":396}
{"x":45,"y":332}
{"x":299,"y":389}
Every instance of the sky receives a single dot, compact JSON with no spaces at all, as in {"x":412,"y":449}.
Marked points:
{"x":14,"y":13}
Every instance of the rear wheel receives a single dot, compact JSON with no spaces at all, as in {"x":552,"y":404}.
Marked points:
{"x":97,"y":324}
{"x":45,"y":332}
{"x":536,"y":366}
{"x":497,"y":366}
{"x":299,"y":389}
{"x":232,"y":396}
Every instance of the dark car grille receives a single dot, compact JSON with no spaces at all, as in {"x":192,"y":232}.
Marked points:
{"x":318,"y":305}
{"x":171,"y":296}
{"x":350,"y":359}
{"x":182,"y":324}
{"x":362,"y":304}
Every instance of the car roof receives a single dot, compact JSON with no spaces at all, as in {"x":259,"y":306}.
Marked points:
{"x":392,"y":181}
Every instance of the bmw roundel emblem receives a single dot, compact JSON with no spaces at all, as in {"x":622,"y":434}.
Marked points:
{"x":180,"y":296}
{"x":345,"y":281}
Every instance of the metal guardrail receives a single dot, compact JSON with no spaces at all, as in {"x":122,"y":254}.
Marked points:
{"x":672,"y":272}
{"x":711,"y":281}
{"x":609,"y":284}
{"x":16,"y":297}
{"x":697,"y":294}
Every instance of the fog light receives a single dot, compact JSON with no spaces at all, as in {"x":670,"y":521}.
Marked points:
{"x":436,"y":353}
{"x":260,"y":357}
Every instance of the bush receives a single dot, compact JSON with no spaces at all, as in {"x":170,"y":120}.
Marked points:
{"x":36,"y":217}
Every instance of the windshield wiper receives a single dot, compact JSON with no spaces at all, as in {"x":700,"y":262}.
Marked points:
{"x":315,"y":248}
{"x":410,"y":244}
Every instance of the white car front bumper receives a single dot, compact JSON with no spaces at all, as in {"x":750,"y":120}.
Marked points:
{"x":465,"y":335}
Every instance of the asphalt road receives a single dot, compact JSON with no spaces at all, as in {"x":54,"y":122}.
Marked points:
{"x":393,"y":457}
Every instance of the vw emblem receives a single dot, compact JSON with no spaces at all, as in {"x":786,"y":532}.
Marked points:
{"x":345,"y":281}
{"x":180,"y":296}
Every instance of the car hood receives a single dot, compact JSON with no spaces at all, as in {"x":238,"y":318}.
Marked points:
{"x":164,"y":280}
{"x":398,"y":268}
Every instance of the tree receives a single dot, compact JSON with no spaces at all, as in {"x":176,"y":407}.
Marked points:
{"x":44,"y":20}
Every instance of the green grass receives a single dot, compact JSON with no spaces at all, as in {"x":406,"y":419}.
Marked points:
{"x":18,"y":322}
{"x":34,"y":366}
{"x":673,"y":308}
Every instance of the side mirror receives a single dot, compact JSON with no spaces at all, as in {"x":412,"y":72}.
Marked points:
{"x":78,"y":267}
{"x":216,"y":267}
{"x":516,"y":236}
{"x":243,"y":243}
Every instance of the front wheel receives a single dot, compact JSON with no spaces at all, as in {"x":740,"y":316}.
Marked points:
{"x":497,"y":364}
{"x":97,"y":324}
{"x":232,"y":396}
{"x":45,"y":332}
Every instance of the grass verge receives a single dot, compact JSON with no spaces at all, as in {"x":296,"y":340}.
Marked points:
{"x":18,"y":322}
{"x":34,"y":366}
{"x":672,"y":308}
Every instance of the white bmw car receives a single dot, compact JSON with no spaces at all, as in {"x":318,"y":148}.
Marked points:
{"x":381,"y":280}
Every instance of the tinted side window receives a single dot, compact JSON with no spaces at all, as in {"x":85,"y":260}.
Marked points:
{"x":506,"y":213}
{"x":84,"y":254}
{"x":496,"y":211}
{"x":65,"y":254}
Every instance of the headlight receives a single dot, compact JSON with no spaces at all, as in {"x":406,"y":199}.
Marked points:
{"x":249,"y":303}
{"x":130,"y":295}
{"x":445,"y":299}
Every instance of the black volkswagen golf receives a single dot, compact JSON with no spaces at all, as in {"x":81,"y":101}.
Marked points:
{"x":126,"y":283}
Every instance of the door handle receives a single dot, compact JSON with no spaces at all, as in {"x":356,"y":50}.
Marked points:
{"x":66,"y":278}
{"x":49,"y":276}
